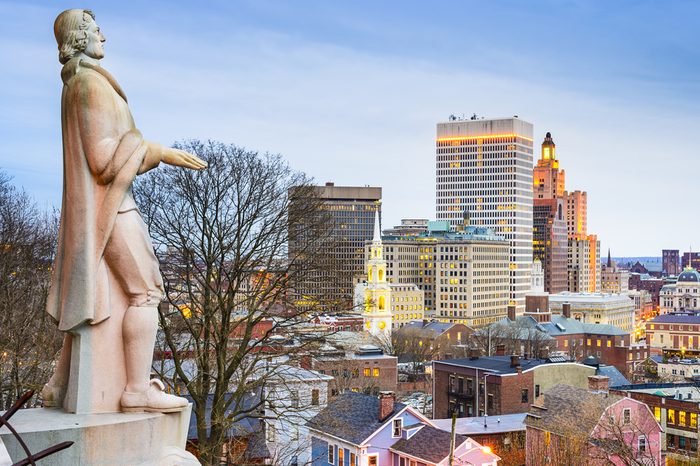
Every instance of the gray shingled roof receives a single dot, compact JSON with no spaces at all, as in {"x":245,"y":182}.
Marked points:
{"x":568,"y":410}
{"x":429,"y":443}
{"x":675,"y":319}
{"x":352,"y":417}
{"x":500,"y":364}
{"x":615,"y":376}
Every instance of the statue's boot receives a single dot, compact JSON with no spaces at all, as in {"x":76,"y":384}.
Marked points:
{"x":54,"y":391}
{"x":141,"y":394}
{"x":154,"y":399}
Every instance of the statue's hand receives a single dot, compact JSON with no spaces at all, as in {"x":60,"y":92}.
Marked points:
{"x":181,"y":158}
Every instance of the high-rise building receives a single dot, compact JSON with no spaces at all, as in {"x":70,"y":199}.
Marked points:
{"x":583,"y":265}
{"x":549,"y":242}
{"x":351,"y":209}
{"x":464,"y":274}
{"x":484,"y":168}
{"x":670,"y":264}
{"x":576,"y":213}
{"x":549,"y":180}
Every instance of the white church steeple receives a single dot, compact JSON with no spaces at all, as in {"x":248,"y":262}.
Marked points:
{"x":377,"y":313}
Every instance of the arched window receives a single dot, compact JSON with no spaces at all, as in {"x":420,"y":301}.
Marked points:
{"x":380,"y":275}
{"x":382,"y":303}
{"x":369,"y":274}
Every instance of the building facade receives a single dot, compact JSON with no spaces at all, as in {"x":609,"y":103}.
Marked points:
{"x":583,"y":265}
{"x":596,"y":308}
{"x":576,"y":213}
{"x":510,"y":384}
{"x":484,"y":167}
{"x":614,"y":279}
{"x":351,"y":209}
{"x":683,"y":295}
{"x":550,"y":243}
{"x":670,"y":262}
{"x":464,"y":274}
{"x":674,"y":335}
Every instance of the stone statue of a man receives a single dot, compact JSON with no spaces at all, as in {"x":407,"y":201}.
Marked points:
{"x":102,"y":239}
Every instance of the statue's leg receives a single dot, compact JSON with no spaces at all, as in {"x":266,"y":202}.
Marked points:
{"x":129,"y":254}
{"x":55,"y":390}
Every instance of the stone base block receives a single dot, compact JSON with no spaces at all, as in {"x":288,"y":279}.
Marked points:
{"x":108,"y":439}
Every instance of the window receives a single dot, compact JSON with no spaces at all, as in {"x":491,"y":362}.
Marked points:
{"x":537,"y":391}
{"x":315,"y":396}
{"x":641,"y":444}
{"x":372,"y":460}
{"x":353,"y":459}
{"x":671,"y":418}
{"x":524,"y":395}
{"x":397,"y":427}
{"x":609,"y":344}
{"x":597,"y":343}
{"x":294,"y":398}
{"x":657,"y":414}
{"x":681,"y":418}
{"x":270,"y":433}
{"x":341,"y":456}
{"x":331,"y":454}
{"x":693,"y":419}
{"x":375,"y":372}
{"x":367,"y":372}
{"x":547,"y":438}
{"x":626,"y":416}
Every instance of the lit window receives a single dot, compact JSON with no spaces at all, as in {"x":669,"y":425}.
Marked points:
{"x":367,"y":372}
{"x":657,"y":414}
{"x":671,"y":418}
{"x":375,"y":372}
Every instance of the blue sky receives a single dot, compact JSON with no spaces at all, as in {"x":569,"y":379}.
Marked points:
{"x":350,"y":92}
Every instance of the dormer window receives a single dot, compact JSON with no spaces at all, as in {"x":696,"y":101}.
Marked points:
{"x":397,"y":427}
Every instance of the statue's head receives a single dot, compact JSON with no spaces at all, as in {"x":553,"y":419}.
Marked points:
{"x":77,"y":33}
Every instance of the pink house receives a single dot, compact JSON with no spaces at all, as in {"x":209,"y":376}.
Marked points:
{"x":574,"y":426}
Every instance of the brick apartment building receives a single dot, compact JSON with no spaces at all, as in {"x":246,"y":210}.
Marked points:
{"x":674,"y":335}
{"x":646,"y":282}
{"x":367,"y":370}
{"x":564,"y":335}
{"x":495,"y":385}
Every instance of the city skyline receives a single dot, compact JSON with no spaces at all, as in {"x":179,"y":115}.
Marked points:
{"x":351,"y":94}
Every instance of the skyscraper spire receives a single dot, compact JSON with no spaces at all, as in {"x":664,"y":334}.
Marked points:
{"x":609,"y":259}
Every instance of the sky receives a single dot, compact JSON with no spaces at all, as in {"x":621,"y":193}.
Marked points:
{"x":351,"y":92}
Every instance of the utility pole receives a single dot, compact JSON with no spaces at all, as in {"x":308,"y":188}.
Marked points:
{"x":452,"y":438}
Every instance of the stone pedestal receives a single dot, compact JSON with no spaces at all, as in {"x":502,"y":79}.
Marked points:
{"x":109,"y":439}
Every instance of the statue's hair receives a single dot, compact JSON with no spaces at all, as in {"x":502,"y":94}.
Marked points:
{"x":70,"y":29}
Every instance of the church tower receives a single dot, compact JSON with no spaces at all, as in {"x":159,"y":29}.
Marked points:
{"x":377,"y":314}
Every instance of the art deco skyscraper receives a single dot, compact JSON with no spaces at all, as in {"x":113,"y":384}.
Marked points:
{"x":485,"y":167}
{"x":549,"y":223}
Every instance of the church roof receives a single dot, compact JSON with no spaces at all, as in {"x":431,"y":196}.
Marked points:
{"x":689,"y":275}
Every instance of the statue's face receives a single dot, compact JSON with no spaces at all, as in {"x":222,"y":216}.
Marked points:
{"x":94,"y":48}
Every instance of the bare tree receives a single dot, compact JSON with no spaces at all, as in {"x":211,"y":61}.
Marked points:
{"x":29,"y":340}
{"x":225,"y":235}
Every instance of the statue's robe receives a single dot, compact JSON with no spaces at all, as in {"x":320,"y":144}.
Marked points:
{"x":102,"y":154}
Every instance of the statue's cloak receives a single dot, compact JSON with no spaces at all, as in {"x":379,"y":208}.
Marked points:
{"x":102,"y":154}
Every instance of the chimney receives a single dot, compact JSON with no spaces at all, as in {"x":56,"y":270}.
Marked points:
{"x":330,"y":184}
{"x":305,"y":362}
{"x":511,"y":312}
{"x":500,"y":350}
{"x":386,"y":405}
{"x":544,"y":353}
{"x":598,"y":383}
{"x":514,"y":360}
{"x":566,"y":310}
{"x":474,"y":353}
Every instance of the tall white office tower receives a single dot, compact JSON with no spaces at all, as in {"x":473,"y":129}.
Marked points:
{"x":484,"y":167}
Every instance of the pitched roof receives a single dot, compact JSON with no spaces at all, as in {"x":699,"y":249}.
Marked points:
{"x":567,"y":410}
{"x":615,"y":376}
{"x":429,"y":443}
{"x":352,"y":417}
